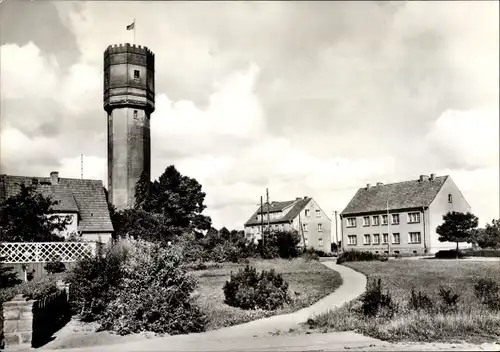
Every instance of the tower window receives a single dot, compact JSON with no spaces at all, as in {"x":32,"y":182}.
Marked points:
{"x":135,"y":114}
{"x":106,"y":77}
{"x":136,"y":74}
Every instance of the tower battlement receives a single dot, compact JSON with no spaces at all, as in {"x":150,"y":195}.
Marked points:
{"x":128,"y":48}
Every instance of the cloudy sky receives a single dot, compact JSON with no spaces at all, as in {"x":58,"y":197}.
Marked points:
{"x":305,"y":98}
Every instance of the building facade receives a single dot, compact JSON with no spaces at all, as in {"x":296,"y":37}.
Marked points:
{"x":401,"y":218}
{"x":83,"y":200}
{"x":129,"y":100}
{"x":303,"y":215}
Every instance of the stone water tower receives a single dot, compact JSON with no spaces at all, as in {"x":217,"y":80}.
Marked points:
{"x":129,"y":100}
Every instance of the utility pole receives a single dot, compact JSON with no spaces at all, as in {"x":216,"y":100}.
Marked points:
{"x":262,"y":220}
{"x":302,"y":232}
{"x":268,"y":218}
{"x":388,"y":229}
{"x":336,"y":233}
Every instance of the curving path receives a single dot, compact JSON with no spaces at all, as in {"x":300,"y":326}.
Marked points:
{"x":241,"y":337}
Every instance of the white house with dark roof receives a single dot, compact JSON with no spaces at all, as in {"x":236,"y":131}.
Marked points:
{"x":83,"y":200}
{"x":404,"y":213}
{"x":302,"y":214}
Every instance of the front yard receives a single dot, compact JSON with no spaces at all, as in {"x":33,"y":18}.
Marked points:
{"x":469,"y":321}
{"x":309,"y":282}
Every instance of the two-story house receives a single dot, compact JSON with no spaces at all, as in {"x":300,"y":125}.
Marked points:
{"x":303,"y":215}
{"x":84,"y":201}
{"x":401,"y":217}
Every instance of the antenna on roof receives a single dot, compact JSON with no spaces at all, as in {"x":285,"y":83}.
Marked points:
{"x":268,"y":218}
{"x":81,"y":162}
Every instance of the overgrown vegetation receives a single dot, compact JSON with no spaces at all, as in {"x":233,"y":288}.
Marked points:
{"x":55,"y":266}
{"x":8,"y":278}
{"x":34,"y":289}
{"x":357,"y":256}
{"x":248,"y":289}
{"x":453,"y":302}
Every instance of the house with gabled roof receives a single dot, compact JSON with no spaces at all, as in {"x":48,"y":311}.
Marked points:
{"x":302,"y":214}
{"x":401,"y":218}
{"x":84,"y":201}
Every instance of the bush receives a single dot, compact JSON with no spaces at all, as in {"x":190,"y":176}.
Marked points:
{"x":376,"y":303}
{"x":310,"y":254}
{"x":94,"y":281}
{"x":280,"y":244}
{"x":155,"y":294}
{"x":55,"y":266}
{"x":488,"y":292}
{"x":34,"y":289}
{"x":491,"y":253}
{"x":449,"y":299}
{"x":356,"y":256}
{"x":7,"y":277}
{"x":248,"y":290}
{"x":420,"y":301}
{"x":449,"y":254}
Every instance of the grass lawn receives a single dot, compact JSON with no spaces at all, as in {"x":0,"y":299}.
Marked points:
{"x":471,"y":321}
{"x":309,"y":282}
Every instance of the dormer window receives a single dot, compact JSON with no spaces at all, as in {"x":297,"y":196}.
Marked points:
{"x":450,"y":199}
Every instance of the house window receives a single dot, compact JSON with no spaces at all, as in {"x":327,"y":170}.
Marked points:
{"x":385,"y":238}
{"x":384,"y":219}
{"x":366,"y":239}
{"x":320,"y":227}
{"x":136,"y":74}
{"x":320,"y":241}
{"x":414,"y":237}
{"x":375,"y":220}
{"x":352,"y":240}
{"x":351,"y":222}
{"x":395,"y":238}
{"x":395,"y":219}
{"x":366,"y":221}
{"x":413,"y":217}
{"x":307,"y":212}
{"x":318,"y":213}
{"x":304,"y":226}
{"x":376,"y":238}
{"x":450,"y":199}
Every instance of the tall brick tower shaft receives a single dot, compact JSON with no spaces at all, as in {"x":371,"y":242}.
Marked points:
{"x":129,"y":100}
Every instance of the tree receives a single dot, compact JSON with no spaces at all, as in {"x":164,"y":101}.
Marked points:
{"x":28,"y":217}
{"x":489,"y":237}
{"x":457,"y":227}
{"x":142,"y":190}
{"x":179,"y":199}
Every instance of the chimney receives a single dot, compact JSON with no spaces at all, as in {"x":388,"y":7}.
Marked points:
{"x":433,"y":176}
{"x":368,"y":186}
{"x":379,"y":183}
{"x":423,"y":178}
{"x":54,"y":177}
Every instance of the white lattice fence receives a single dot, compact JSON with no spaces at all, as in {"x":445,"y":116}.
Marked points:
{"x":39,"y":252}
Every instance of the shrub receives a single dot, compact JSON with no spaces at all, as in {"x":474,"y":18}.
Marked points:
{"x":94,"y":281}
{"x":420,"y":301}
{"x":376,"y":303}
{"x":55,"y":266}
{"x":280,"y":244}
{"x":155,"y":294}
{"x":488,"y":292}
{"x":7,"y":277}
{"x":356,"y":256}
{"x":449,"y":299}
{"x":492,"y":253}
{"x":449,"y":254}
{"x":249,"y":290}
{"x":34,"y":289}
{"x":310,"y":254}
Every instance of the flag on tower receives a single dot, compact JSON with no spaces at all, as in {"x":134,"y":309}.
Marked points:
{"x":131,"y":26}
